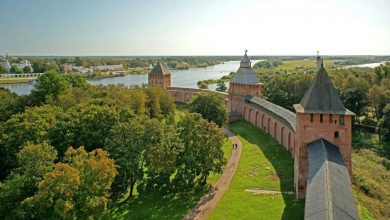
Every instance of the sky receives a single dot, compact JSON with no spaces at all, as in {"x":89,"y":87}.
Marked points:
{"x":194,"y":27}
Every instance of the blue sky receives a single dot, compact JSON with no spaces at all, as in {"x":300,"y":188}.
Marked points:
{"x":194,"y":27}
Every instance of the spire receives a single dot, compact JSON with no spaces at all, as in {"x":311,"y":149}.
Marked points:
{"x":245,"y":74}
{"x":245,"y":62}
{"x":321,"y":97}
{"x":320,"y":61}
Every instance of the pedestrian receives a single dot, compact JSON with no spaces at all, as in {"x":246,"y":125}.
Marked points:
{"x":236,"y":145}
{"x":233,"y":146}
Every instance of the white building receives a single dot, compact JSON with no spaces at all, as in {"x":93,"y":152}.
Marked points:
{"x":23,"y":64}
{"x":6,"y":65}
{"x":109,"y":67}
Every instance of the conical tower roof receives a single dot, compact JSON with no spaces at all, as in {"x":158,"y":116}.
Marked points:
{"x":321,"y":97}
{"x":245,"y":58}
{"x":160,"y":69}
{"x":245,"y":74}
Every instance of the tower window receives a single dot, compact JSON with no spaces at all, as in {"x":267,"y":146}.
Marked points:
{"x":330,"y":118}
{"x":336,"y":135}
{"x":311,"y":117}
{"x":321,"y":118}
{"x":341,"y":120}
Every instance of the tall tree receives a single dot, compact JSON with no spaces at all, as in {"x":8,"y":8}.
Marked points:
{"x":36,"y":125}
{"x":202,"y":152}
{"x":2,"y":69}
{"x":211,"y":106}
{"x":221,"y":87}
{"x":27,"y":69}
{"x":48,"y":87}
{"x":76,"y":189}
{"x":384,"y":124}
{"x":34,"y":161}
{"x":8,"y":104}
{"x":15,"y":69}
{"x":127,"y":146}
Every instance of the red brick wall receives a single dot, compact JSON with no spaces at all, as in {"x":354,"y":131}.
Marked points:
{"x":160,"y":80}
{"x":307,"y":131}
{"x":276,"y":128}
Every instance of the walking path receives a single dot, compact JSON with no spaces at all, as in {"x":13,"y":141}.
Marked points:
{"x":211,"y":199}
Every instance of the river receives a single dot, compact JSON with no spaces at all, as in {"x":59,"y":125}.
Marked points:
{"x":180,"y":78}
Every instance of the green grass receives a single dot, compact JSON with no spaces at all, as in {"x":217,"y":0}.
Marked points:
{"x":157,"y":206}
{"x":227,"y":150}
{"x":371,"y":175}
{"x":266,"y":165}
{"x":17,"y":80}
{"x":302,"y":64}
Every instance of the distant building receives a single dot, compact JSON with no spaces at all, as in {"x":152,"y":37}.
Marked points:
{"x":23,"y":64}
{"x":6,"y":65}
{"x":109,"y":68}
{"x":68,"y":67}
{"x":160,"y":75}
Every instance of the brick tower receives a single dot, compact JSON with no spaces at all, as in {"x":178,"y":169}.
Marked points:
{"x":244,"y":83}
{"x":320,"y":114}
{"x":160,"y":75}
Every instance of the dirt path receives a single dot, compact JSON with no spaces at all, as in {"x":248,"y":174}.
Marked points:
{"x":211,"y":199}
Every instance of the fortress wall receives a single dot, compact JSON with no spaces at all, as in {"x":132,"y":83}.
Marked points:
{"x":278,"y":129}
{"x":185,"y":94}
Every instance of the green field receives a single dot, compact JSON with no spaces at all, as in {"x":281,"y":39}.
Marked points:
{"x":302,"y":64}
{"x":265,"y":165}
{"x":17,"y":80}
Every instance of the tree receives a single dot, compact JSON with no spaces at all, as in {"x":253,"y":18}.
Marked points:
{"x":15,"y":69}
{"x":76,"y":80}
{"x":202,"y":151}
{"x":8,"y":104}
{"x":35,"y":125}
{"x":221,"y":87}
{"x":384,"y":124}
{"x":163,"y":147}
{"x":87,"y":124}
{"x":203,"y":85}
{"x":127,"y":146}
{"x":2,"y":69}
{"x":48,"y":87}
{"x":76,"y":189}
{"x":34,"y":161}
{"x":211,"y":106}
{"x":142,"y":145}
{"x":78,"y":61}
{"x":27,"y":69}
{"x":159,"y":102}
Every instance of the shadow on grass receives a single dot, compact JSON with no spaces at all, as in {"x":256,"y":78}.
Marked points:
{"x":158,"y":206}
{"x":280,"y":159}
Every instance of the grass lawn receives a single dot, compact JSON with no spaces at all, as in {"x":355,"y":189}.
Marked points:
{"x":17,"y":80}
{"x":299,"y":64}
{"x":265,"y":165}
